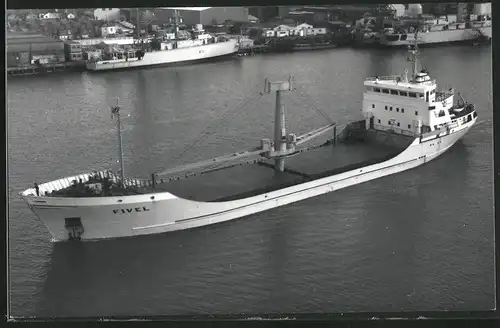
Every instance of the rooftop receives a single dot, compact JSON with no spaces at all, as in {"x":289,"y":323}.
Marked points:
{"x":397,"y":81}
{"x":126,"y":24}
{"x":23,"y":38}
{"x":20,"y":35}
{"x":188,"y":8}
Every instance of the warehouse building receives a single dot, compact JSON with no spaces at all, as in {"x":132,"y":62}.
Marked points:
{"x":23,"y":49}
{"x":203,"y":15}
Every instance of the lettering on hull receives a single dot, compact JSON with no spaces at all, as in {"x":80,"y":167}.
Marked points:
{"x":130,"y":210}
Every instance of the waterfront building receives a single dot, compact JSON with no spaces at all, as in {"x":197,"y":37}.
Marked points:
{"x":203,"y":15}
{"x":24,"y":48}
{"x":107,"y":14}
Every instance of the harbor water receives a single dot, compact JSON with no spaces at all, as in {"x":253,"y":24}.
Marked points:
{"x":418,"y":240}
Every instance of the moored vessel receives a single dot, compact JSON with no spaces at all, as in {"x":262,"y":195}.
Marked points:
{"x":476,"y":28}
{"x":196,"y":45}
{"x":406,"y":117}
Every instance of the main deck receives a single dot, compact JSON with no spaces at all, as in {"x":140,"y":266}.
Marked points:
{"x":245,"y":179}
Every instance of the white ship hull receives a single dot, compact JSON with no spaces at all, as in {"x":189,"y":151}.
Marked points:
{"x":436,"y":37}
{"x":113,"y":217}
{"x":166,"y":57}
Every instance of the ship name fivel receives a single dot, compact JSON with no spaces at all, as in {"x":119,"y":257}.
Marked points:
{"x":130,"y":210}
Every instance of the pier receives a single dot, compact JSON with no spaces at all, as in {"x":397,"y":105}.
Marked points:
{"x":44,"y":68}
{"x":255,"y":49}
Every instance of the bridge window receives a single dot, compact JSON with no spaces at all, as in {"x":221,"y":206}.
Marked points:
{"x":403,"y":93}
{"x":376,"y":89}
{"x":385,"y":91}
{"x":390,"y":108}
{"x":416,"y":112}
{"x":402,"y":110}
{"x":385,"y":107}
{"x":394,"y":92}
{"x":397,"y":109}
{"x":373,"y":105}
{"x":398,"y":124}
{"x":379,"y":120}
{"x":409,"y":126}
{"x":412,"y":94}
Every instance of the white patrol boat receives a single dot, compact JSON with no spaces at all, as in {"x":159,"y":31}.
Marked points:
{"x":408,"y":117}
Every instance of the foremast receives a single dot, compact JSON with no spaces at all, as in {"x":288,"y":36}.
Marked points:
{"x":115,"y":113}
{"x":414,"y":57}
{"x":176,"y":20}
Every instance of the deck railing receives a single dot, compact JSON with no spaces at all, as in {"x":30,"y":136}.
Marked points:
{"x":60,"y":184}
{"x":443,"y":95}
{"x":63,"y":183}
{"x":393,"y":129}
{"x":385,"y":78}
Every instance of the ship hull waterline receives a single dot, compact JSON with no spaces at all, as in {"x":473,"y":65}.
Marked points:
{"x":127,"y":216}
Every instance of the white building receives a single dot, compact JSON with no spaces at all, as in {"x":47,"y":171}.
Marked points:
{"x":482,"y":8}
{"x":203,"y":15}
{"x":299,"y":30}
{"x":307,"y":30}
{"x":400,"y":10}
{"x":107,"y":30}
{"x":117,"y":28}
{"x":268,"y":33}
{"x":252,"y":19}
{"x":107,"y":14}
{"x":414,"y":10}
{"x":49,"y":16}
{"x":31,"y":16}
{"x":121,"y":41}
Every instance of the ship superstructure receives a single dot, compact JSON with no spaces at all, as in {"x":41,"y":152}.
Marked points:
{"x":407,"y":122}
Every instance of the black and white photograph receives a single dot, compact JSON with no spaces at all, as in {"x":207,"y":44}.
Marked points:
{"x":250,"y":161}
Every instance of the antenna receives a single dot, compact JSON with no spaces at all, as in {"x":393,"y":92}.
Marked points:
{"x":413,"y":57}
{"x":115,"y":112}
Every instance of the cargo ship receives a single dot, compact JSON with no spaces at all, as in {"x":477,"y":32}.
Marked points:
{"x":199,"y":46}
{"x":406,"y":122}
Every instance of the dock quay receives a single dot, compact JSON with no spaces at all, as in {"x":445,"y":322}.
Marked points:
{"x":27,"y":70}
{"x":255,"y":49}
